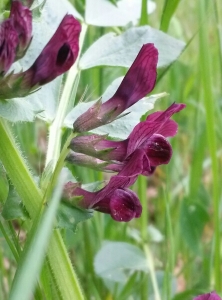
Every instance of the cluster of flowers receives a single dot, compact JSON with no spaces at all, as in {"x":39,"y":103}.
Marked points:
{"x":56,"y":58}
{"x":145,"y":148}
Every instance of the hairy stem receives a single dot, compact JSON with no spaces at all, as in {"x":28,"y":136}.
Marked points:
{"x":60,"y":264}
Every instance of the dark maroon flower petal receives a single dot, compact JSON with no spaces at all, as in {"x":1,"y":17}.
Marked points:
{"x":115,"y":182}
{"x":138,"y":82}
{"x":134,"y":165}
{"x":87,"y":199}
{"x":8,"y":45}
{"x":209,"y":296}
{"x":124,"y":205}
{"x":170,"y":127}
{"x":155,"y":123}
{"x":21,"y":18}
{"x":165,"y":115}
{"x":140,"y":134}
{"x":58,"y":55}
{"x":103,"y":206}
{"x":158,"y":150}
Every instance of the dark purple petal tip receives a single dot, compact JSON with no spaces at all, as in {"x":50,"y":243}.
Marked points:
{"x":137,"y":83}
{"x":125,"y":205}
{"x":21,"y":18}
{"x":140,"y":78}
{"x":8,"y":45}
{"x":58,"y":55}
{"x":158,"y":150}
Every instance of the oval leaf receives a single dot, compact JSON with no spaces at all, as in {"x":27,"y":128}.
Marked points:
{"x":121,"y":50}
{"x":114,"y":258}
{"x":121,"y":14}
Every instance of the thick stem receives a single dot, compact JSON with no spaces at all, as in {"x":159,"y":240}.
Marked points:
{"x":62,"y":271}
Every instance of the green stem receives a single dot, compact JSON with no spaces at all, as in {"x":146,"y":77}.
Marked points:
{"x":58,"y":167}
{"x":150,"y":263}
{"x":55,"y":130}
{"x":211,"y":135}
{"x":10,"y":244}
{"x":15,"y":238}
{"x":60,"y":264}
{"x":143,"y":14}
{"x":142,"y":187}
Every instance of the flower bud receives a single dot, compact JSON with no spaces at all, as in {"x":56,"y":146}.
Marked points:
{"x":86,"y":161}
{"x":8,"y":44}
{"x":138,"y":82}
{"x":21,"y":18}
{"x":56,"y":58}
{"x":58,"y":55}
{"x":98,"y":146}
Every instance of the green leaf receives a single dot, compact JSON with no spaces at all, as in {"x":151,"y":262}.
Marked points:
{"x":13,"y":207}
{"x":4,"y":186}
{"x":168,"y":11}
{"x":19,"y":109}
{"x":123,"y":126}
{"x":188,"y":294}
{"x":115,"y":258}
{"x":69,"y":216}
{"x":34,"y":253}
{"x":121,"y":50}
{"x":121,"y":14}
{"x":193,"y":218}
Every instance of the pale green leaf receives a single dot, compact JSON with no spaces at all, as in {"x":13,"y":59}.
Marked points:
{"x":121,"y":50}
{"x":115,"y":258}
{"x":104,"y":13}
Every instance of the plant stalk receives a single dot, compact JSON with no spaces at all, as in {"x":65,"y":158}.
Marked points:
{"x":60,"y":264}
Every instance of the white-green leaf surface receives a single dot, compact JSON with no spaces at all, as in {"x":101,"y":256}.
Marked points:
{"x":104,"y":13}
{"x":120,"y":50}
{"x":115,"y":258}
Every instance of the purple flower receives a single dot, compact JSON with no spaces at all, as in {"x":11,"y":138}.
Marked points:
{"x":8,"y":44}
{"x":138,"y":82}
{"x":148,"y":136}
{"x":115,"y":198}
{"x":21,"y":18}
{"x":56,"y":58}
{"x":209,"y":296}
{"x":58,"y":55}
